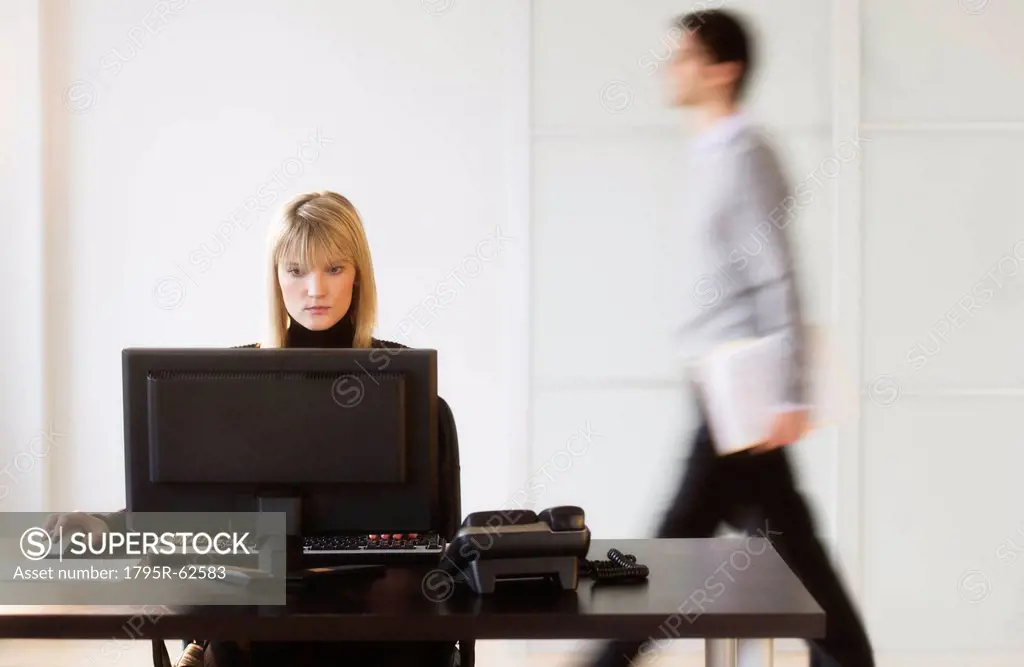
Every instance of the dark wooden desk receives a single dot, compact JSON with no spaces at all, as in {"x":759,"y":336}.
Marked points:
{"x":716,"y":589}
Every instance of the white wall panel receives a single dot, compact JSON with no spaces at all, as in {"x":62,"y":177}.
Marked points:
{"x":607,"y":263}
{"x":942,"y":524}
{"x":601,"y":64}
{"x":25,"y":443}
{"x":943,"y":261}
{"x":942,"y":62}
{"x":944,"y":283}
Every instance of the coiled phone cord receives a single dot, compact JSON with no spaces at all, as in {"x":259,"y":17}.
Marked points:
{"x":619,"y":568}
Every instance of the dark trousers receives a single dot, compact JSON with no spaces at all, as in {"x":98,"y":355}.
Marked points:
{"x":757,"y":493}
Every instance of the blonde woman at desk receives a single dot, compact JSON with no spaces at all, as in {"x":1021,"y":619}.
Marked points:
{"x":321,"y":293}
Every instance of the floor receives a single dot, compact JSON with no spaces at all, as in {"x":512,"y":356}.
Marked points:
{"x":111,"y":653}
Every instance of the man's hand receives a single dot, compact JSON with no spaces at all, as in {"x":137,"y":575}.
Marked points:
{"x":787,"y":427}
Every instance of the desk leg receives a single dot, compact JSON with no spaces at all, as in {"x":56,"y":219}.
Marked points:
{"x":720,"y":653}
{"x":738,"y":653}
{"x":755,"y":653}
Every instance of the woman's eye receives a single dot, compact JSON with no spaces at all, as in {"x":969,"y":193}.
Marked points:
{"x":293,"y":272}
{"x":335,"y":270}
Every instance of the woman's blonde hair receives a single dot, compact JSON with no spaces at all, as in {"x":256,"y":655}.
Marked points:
{"x":315,"y":229}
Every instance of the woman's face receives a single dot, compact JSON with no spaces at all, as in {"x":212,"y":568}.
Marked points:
{"x":317,"y":297}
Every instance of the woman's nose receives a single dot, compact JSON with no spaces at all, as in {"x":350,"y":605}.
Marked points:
{"x":314,"y":285}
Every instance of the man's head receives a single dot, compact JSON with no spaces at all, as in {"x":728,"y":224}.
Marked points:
{"x":712,"y":61}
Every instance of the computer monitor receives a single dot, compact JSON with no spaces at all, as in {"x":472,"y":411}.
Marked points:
{"x":350,"y":433}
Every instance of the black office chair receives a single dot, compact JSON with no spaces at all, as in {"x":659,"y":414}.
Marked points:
{"x":451,"y":507}
{"x":450,"y":478}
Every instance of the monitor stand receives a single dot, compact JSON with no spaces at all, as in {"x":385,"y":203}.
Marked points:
{"x":286,"y":558}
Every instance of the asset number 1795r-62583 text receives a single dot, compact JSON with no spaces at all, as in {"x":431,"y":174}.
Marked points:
{"x":170,"y":572}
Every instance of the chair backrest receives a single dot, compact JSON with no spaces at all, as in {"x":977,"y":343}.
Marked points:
{"x":450,"y":478}
{"x":450,"y":471}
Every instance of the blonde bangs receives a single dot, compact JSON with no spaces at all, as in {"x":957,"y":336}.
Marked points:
{"x":310,"y":244}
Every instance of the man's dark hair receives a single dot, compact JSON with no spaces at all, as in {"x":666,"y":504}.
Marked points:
{"x":724,"y":37}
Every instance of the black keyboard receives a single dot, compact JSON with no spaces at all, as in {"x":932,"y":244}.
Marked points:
{"x":332,"y":549}
{"x":383,"y":544}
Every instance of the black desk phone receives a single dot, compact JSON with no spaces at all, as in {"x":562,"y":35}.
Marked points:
{"x":521,"y":544}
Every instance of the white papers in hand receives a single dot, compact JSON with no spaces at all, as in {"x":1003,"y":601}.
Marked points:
{"x":740,"y":385}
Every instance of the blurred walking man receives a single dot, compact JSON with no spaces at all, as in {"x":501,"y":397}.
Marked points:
{"x":737,"y":189}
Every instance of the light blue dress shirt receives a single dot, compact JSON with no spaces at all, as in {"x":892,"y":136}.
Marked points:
{"x":742,"y":206}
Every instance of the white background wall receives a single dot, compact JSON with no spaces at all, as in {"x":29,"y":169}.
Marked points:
{"x":164,"y":122}
{"x":447,"y":120}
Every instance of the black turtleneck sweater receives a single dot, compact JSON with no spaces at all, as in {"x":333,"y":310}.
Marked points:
{"x":340,"y":335}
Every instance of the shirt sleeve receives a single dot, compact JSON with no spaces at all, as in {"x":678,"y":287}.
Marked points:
{"x":761,"y":254}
